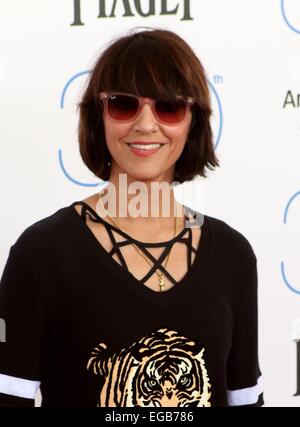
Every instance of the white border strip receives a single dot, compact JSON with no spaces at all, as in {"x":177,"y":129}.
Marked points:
{"x":245,"y":396}
{"x":19,"y":387}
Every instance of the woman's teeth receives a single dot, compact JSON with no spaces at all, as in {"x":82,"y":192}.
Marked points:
{"x":145,"y":147}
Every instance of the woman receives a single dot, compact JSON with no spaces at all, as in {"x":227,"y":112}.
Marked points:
{"x":129,"y":298}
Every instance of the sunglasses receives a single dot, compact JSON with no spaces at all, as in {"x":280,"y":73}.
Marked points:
{"x":124,"y":107}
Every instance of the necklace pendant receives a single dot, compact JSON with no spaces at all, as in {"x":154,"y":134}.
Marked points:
{"x":161,"y":283}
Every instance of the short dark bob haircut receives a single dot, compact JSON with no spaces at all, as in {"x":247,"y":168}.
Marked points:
{"x":154,"y":63}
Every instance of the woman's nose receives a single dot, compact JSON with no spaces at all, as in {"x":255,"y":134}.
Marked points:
{"x":146,"y":120}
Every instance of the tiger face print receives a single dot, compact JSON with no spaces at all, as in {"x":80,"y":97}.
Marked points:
{"x":162,"y":369}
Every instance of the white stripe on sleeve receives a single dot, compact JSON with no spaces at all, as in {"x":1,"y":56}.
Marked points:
{"x":245,"y":396}
{"x":19,"y":387}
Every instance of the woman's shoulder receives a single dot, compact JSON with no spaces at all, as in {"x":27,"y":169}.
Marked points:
{"x":230,"y":240}
{"x":47,"y":231}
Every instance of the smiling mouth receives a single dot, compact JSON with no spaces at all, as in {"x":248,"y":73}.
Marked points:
{"x":145,"y":147}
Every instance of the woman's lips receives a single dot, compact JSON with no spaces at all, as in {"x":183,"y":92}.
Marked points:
{"x":144,"y":152}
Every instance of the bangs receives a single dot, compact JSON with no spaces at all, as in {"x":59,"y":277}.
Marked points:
{"x":144,"y":68}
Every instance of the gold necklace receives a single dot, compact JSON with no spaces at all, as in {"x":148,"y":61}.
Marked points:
{"x":161,"y":282}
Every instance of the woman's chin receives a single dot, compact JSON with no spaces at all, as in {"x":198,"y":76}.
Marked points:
{"x":153,"y":176}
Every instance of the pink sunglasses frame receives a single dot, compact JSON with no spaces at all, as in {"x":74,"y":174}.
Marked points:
{"x":142,"y":101}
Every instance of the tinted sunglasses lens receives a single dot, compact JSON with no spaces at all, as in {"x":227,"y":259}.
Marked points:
{"x":122,"y":107}
{"x":171,"y":112}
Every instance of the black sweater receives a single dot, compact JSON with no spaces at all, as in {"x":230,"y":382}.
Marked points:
{"x":87,"y":332}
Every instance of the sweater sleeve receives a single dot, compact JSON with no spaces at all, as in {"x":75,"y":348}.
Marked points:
{"x":23,"y":343}
{"x":244,"y":379}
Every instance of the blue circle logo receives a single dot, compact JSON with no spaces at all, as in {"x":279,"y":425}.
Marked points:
{"x":283,"y":269}
{"x":217,"y":123}
{"x":60,"y":152}
{"x":290,"y":10}
{"x":217,"y":119}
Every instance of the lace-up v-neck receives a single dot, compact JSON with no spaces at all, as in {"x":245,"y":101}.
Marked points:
{"x":119,"y":240}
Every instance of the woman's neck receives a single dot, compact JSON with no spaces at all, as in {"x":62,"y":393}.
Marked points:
{"x":141,"y":206}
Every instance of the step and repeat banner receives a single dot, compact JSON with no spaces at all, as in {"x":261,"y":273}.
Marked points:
{"x":251,"y":52}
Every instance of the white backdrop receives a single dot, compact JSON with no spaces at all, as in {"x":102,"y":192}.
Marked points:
{"x":251,"y":51}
